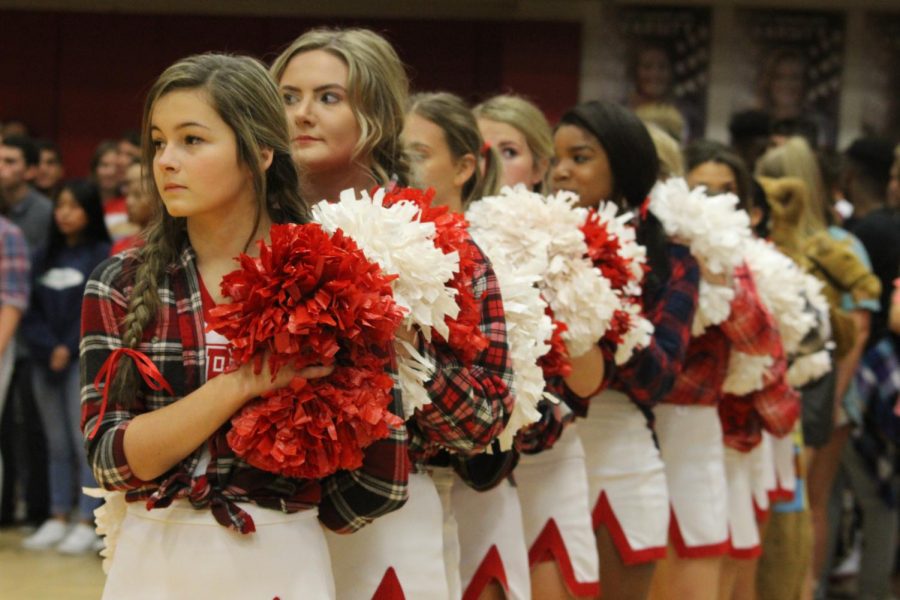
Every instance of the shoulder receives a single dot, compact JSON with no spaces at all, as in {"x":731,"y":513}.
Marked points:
{"x":39,"y":202}
{"x":113,"y":278}
{"x":10,"y":231}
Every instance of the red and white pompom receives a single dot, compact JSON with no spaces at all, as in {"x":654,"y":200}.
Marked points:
{"x":311,"y":298}
{"x":716,"y":231}
{"x":396,"y":238}
{"x":613,"y":248}
{"x":543,"y":234}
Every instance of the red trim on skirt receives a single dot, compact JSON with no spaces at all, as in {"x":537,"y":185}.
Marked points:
{"x":490,"y":569}
{"x":389,"y":588}
{"x":549,"y":547}
{"x":603,"y":515}
{"x":685,"y":551}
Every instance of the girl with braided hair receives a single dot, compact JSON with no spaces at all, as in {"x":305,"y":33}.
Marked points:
{"x":216,"y":140}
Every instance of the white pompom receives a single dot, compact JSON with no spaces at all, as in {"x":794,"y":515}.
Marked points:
{"x":402,"y":245}
{"x":108,"y":518}
{"x":713,"y":306}
{"x":542,"y":234}
{"x":806,"y":369}
{"x":746,"y":373}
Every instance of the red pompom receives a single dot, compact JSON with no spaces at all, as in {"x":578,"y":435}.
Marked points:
{"x":556,"y":363}
{"x":311,"y":299}
{"x":466,"y":338}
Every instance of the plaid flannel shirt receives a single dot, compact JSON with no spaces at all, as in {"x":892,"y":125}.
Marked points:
{"x":650,"y":374}
{"x":15,"y":266}
{"x":175,"y":343}
{"x":749,"y":329}
{"x":470,"y":405}
{"x":775,"y":408}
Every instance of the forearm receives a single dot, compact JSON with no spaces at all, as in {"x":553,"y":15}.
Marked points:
{"x":156,"y":441}
{"x":846,"y":366}
{"x":587,"y":372}
{"x":9,"y":321}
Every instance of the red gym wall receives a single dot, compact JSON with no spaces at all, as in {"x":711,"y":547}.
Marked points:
{"x":79,"y":78}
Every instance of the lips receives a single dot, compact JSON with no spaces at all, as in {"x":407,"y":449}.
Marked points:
{"x":171,"y":187}
{"x":306,"y":139}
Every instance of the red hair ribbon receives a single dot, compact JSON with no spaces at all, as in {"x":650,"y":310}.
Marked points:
{"x":485,"y":148}
{"x":645,"y":208}
{"x":148,"y":371}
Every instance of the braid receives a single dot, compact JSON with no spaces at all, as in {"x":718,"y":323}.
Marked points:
{"x":142,"y":307}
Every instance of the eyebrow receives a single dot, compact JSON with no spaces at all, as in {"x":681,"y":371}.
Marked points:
{"x":580,"y":147}
{"x":182,"y":126}
{"x":321,"y":88}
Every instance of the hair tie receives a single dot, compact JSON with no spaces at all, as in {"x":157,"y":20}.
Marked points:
{"x":645,"y":208}
{"x":485,"y":148}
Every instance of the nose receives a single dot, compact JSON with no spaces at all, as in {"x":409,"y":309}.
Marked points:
{"x":302,"y":112}
{"x":166,"y":158}
{"x":559,"y":171}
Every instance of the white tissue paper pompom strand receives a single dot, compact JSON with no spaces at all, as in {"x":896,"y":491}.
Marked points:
{"x":808,"y":368}
{"x":528,"y":330}
{"x":108,"y":518}
{"x":402,"y":245}
{"x":716,"y":231}
{"x":639,"y":330}
{"x":546,"y":231}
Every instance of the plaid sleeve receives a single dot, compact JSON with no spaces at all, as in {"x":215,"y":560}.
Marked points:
{"x":778,"y":404}
{"x":470,"y":405}
{"x":546,"y":431}
{"x":103,"y":308}
{"x":486,"y":470}
{"x":351,"y":499}
{"x":750,"y":327}
{"x":15,"y":268}
{"x":650,"y":374}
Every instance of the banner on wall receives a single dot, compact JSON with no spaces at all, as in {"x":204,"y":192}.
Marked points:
{"x":656,"y":61}
{"x":881,"y":100}
{"x":789,"y":64}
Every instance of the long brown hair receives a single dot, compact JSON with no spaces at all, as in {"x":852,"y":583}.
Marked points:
{"x":242,"y":93}
{"x":450,"y":113}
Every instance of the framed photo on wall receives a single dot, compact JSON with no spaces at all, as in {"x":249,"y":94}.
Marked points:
{"x":656,"y":61}
{"x":790,"y":64}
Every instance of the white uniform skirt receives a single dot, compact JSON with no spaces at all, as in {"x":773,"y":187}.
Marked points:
{"x":181,"y":552}
{"x":553,"y":491}
{"x":763,"y":476}
{"x":444,"y":478}
{"x":626,"y":478}
{"x":741,"y":516}
{"x":784,"y":452}
{"x":403,"y":549}
{"x":690,"y":440}
{"x":491,"y":540}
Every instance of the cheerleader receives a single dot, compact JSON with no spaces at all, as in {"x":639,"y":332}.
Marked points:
{"x":216,"y":140}
{"x":345,"y":93}
{"x":550,"y":478}
{"x":604,"y":152}
{"x":691,"y":439}
{"x":773,"y":408}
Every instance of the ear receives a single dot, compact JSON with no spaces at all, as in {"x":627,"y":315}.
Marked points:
{"x":465,"y":168}
{"x":266,"y":155}
{"x":30,"y":172}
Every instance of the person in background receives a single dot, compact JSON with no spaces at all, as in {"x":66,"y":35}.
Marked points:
{"x":78,"y":242}
{"x":750,"y":132}
{"x":519,"y":132}
{"x":128,"y":151}
{"x":893,"y":193}
{"x":139,"y":205}
{"x":15,"y":284}
{"x":24,"y":450}
{"x":107,"y":175}
{"x":50,"y":170}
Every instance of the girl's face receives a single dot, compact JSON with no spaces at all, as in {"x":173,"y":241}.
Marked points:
{"x":107,"y":173}
{"x":519,"y":164}
{"x":195,"y":164}
{"x":324,"y":131}
{"x":138,"y":204}
{"x":433,"y":165}
{"x":654,"y":74}
{"x":581,"y":165}
{"x":70,"y":217}
{"x":718,"y":178}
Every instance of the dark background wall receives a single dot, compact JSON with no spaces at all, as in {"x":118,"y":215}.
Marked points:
{"x":79,"y":78}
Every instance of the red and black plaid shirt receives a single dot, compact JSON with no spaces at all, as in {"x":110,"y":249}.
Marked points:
{"x":749,"y":329}
{"x":175,"y":343}
{"x":775,"y":408}
{"x":470,"y":405}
